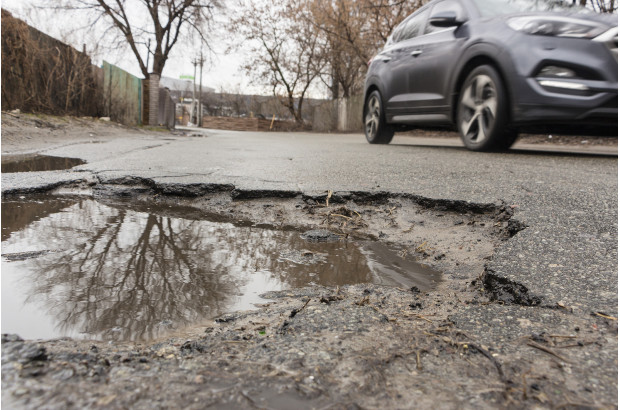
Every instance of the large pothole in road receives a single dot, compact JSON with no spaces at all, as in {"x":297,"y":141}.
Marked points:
{"x":126,"y":271}
{"x":140,"y":263}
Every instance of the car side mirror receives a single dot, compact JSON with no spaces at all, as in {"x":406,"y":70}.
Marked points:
{"x":445,"y":19}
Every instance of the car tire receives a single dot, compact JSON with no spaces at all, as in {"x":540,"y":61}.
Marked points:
{"x":376,"y":129}
{"x":482,"y":112}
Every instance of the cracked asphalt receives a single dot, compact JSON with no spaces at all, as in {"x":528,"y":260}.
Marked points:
{"x":567,"y":256}
{"x":569,"y":201}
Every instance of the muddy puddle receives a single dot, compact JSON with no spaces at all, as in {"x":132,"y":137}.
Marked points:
{"x":36,"y":163}
{"x":121,"y":271}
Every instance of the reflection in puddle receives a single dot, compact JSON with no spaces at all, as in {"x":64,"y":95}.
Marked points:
{"x":34,"y":163}
{"x":79,"y":268}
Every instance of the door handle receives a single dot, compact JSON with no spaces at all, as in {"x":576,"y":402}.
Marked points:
{"x":385,"y":59}
{"x":416,"y":53}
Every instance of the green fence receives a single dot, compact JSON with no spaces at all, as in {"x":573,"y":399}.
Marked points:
{"x":122,"y":95}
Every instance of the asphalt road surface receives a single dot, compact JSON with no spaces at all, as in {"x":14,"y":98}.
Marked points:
{"x":569,"y":200}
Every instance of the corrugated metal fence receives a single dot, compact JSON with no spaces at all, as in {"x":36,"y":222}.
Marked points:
{"x":122,"y":93}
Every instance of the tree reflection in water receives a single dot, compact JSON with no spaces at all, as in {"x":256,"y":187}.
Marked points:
{"x":127,"y":274}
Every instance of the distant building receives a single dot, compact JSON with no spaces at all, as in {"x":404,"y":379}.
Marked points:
{"x":181,"y":92}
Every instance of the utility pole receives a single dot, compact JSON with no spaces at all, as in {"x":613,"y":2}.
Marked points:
{"x":194,"y":95}
{"x":200,"y":97}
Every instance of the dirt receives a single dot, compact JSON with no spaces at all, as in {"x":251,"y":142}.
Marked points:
{"x":360,"y":346}
{"x":25,"y":133}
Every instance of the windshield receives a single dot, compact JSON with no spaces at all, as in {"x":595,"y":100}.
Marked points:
{"x":498,"y":7}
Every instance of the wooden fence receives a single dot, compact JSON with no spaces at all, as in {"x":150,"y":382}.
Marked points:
{"x":42,"y":74}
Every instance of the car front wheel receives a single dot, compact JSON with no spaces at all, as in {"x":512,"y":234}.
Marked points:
{"x":482,"y":116}
{"x":376,"y":129}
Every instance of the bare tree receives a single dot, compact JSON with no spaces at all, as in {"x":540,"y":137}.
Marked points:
{"x":147,"y":27}
{"x":603,"y":6}
{"x":287,"y":52}
{"x":355,"y":30}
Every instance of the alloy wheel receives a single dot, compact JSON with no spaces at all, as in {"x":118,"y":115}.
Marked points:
{"x":479,"y":104}
{"x":373,"y":116}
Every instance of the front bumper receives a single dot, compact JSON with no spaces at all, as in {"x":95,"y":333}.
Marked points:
{"x":589,"y":97}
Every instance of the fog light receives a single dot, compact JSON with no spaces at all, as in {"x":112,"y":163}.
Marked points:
{"x":555,"y":71}
{"x":564,"y":84}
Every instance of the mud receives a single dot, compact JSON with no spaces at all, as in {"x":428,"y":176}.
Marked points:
{"x":365,"y":345}
{"x":509,"y":292}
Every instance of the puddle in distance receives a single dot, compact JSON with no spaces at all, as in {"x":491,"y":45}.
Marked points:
{"x":81,"y":268}
{"x":35,"y":163}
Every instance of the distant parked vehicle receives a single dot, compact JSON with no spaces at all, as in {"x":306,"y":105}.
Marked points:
{"x":492,"y":67}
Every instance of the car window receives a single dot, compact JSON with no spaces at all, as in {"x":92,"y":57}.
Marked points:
{"x":499,"y":7}
{"x":411,"y":27}
{"x":446,"y":5}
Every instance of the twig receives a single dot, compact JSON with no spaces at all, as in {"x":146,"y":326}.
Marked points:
{"x":564,"y":336}
{"x":342,"y":216}
{"x":547,"y":350}
{"x":418,"y":359}
{"x":605,"y":316}
{"x":421,"y":246}
{"x":576,"y":345}
{"x":493,"y":360}
{"x":423,"y":318}
{"x":296,"y":311}
{"x":364,"y":301}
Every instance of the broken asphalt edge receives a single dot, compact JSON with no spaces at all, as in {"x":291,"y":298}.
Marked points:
{"x":497,"y":286}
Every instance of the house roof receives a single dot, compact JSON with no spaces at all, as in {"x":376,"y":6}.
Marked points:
{"x":174,"y":84}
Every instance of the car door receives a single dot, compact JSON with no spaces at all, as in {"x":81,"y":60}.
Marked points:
{"x":399,"y":59}
{"x":440,"y":49}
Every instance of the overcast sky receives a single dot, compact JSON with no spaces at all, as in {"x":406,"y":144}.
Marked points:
{"x":222,"y":70}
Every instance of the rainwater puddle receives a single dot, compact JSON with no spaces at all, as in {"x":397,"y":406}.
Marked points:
{"x":35,"y":163}
{"x":81,"y":268}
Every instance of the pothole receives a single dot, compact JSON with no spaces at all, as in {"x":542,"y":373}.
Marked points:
{"x":124,"y":271}
{"x":37,"y":163}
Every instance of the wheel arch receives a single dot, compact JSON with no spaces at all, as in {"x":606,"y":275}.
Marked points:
{"x":369,"y":89}
{"x":467,"y":66}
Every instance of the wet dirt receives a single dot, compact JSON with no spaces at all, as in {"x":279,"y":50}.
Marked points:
{"x":36,"y":163}
{"x":338,"y":307}
{"x":138,"y":273}
{"x":359,"y":345}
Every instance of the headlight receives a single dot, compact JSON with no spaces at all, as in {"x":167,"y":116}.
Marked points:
{"x":556,"y":26}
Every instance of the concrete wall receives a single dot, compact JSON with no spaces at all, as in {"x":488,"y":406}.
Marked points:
{"x":342,"y":115}
{"x":325,"y":117}
{"x":166,"y":111}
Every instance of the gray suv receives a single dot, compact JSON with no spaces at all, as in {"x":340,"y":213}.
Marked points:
{"x":494,"y":67}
